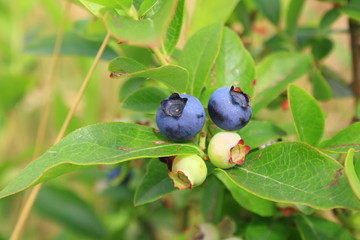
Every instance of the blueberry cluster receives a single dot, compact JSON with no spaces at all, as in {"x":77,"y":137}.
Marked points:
{"x":181,"y":116}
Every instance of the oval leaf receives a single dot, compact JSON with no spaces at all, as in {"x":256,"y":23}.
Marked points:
{"x":270,"y":8}
{"x":145,"y":99}
{"x":344,"y":140}
{"x":351,"y":173}
{"x":174,"y":30}
{"x":105,"y":143}
{"x":293,"y":172}
{"x":155,"y":184}
{"x":198,"y":56}
{"x":317,"y":228}
{"x":69,"y":210}
{"x":307,"y":114}
{"x":143,"y":32}
{"x":321,"y":88}
{"x":247,"y":200}
{"x":234,"y":65}
{"x":257,"y":133}
{"x":173,"y":76}
{"x":274,"y":73}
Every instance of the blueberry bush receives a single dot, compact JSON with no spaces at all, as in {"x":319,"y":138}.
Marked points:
{"x":180,"y":119}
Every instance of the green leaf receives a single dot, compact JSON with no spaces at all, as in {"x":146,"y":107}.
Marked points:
{"x":198,"y":56}
{"x":143,"y":32}
{"x":352,"y":10}
{"x":145,"y":99}
{"x":307,"y":114}
{"x":316,"y":228}
{"x":269,"y":229}
{"x":121,"y":4}
{"x":344,"y":140}
{"x":94,"y":8}
{"x":274,"y":73}
{"x":293,"y":172}
{"x":174,"y":30}
{"x":234,"y":64}
{"x":212,"y":199}
{"x":321,"y":88}
{"x":246,"y":199}
{"x":130,"y":86}
{"x":145,"y":6}
{"x":173,"y":76}
{"x":257,"y":133}
{"x":340,"y":88}
{"x":328,"y":19}
{"x":351,"y":174}
{"x":155,"y":184}
{"x":105,"y":143}
{"x":208,"y":12}
{"x":321,"y":47}
{"x":68,"y":209}
{"x":13,"y":89}
{"x":292,"y":16}
{"x":72,"y":44}
{"x":270,"y":8}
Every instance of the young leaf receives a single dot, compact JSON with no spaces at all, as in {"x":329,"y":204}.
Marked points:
{"x":274,"y":73}
{"x":328,"y":19}
{"x":292,"y":16}
{"x":321,"y":89}
{"x":145,"y":6}
{"x":209,"y":12}
{"x":174,"y":30}
{"x":68,"y":209}
{"x":321,"y":47}
{"x":212,"y":199}
{"x":145,"y":99}
{"x":293,"y":172}
{"x":130,"y":86}
{"x":271,"y":9}
{"x":198,"y":56}
{"x":271,"y":229}
{"x":73,"y":44}
{"x":173,"y":76}
{"x":155,"y":184}
{"x":344,"y":140}
{"x":105,"y":143}
{"x":316,"y":228}
{"x":246,"y":199}
{"x":352,"y":10}
{"x":143,"y":32}
{"x":234,"y":64}
{"x":307,"y":114}
{"x":257,"y":133}
{"x":351,"y":174}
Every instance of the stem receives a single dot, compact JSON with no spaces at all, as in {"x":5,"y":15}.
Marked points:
{"x":49,"y":84}
{"x":30,"y":201}
{"x":44,"y":119}
{"x":160,"y":56}
{"x":355,"y":52}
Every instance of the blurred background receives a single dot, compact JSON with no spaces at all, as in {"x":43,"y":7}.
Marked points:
{"x":97,"y":202}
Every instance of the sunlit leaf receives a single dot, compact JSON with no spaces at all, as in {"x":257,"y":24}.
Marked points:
{"x":105,"y":143}
{"x":293,"y":172}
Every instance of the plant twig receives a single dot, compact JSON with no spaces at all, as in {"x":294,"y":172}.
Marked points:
{"x":44,"y":119}
{"x":160,"y":56}
{"x":354,"y":28}
{"x":30,"y":201}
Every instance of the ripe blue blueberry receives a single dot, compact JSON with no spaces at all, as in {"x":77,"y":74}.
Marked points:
{"x":180,"y":117}
{"x":229,"y":108}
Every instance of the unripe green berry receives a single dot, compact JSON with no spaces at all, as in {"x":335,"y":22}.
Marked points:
{"x":226,"y":149}
{"x":188,"y":171}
